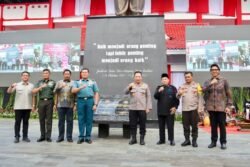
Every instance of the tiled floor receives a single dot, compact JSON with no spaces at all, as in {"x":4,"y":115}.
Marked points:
{"x":115,"y":151}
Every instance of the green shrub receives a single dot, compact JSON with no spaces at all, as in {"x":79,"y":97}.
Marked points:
{"x":178,"y":117}
{"x":1,"y":98}
{"x":240,"y":94}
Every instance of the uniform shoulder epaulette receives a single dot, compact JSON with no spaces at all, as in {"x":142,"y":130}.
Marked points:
{"x":144,"y":85}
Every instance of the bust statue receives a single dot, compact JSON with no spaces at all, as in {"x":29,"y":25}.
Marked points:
{"x":129,"y":7}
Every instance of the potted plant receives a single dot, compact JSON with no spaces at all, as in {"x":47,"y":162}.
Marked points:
{"x":240,"y":96}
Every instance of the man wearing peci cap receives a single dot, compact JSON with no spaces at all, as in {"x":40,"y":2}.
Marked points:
{"x":167,"y":103}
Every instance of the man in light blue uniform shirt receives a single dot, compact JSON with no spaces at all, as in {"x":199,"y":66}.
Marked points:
{"x":87,"y":101}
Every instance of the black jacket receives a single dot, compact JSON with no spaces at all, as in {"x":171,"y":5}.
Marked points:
{"x":166,"y":99}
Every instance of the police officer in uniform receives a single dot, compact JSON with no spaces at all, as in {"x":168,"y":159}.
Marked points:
{"x":192,"y":104}
{"x":140,"y":105}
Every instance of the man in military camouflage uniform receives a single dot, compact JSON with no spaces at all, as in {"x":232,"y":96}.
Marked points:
{"x":45,"y":88}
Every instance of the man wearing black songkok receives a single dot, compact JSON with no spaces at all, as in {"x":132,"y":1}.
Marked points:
{"x":167,"y":103}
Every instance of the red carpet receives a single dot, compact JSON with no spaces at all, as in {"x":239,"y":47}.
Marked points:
{"x":230,"y":130}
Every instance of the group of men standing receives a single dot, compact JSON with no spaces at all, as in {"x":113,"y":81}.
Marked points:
{"x":68,"y":93}
{"x":215,"y":93}
{"x":83,"y":95}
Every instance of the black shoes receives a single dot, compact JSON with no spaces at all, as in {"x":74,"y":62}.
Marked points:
{"x":43,"y":139}
{"x":186,"y":143}
{"x":132,"y":140}
{"x":49,"y":140}
{"x":59,"y":140}
{"x":212,"y":145}
{"x":172,"y":143}
{"x":40,"y":139}
{"x":16,"y":140}
{"x":26,"y":139}
{"x":223,"y":146}
{"x":70,"y":140}
{"x":160,"y":142}
{"x":80,"y":141}
{"x":89,"y":141}
{"x":194,"y":143}
{"x":142,"y":142}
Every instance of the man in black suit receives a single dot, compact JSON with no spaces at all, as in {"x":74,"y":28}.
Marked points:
{"x":167,"y":103}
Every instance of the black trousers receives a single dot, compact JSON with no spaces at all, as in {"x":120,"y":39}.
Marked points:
{"x":169,"y":120}
{"x":65,"y":112}
{"x":190,"y":118}
{"x":218,"y":119}
{"x":135,"y":117}
{"x":22,"y":115}
{"x":45,"y":110}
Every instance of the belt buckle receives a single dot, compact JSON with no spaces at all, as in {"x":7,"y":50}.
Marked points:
{"x":85,"y":98}
{"x":45,"y":99}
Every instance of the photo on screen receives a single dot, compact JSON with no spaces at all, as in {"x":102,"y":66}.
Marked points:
{"x":34,"y":57}
{"x":244,"y":59}
{"x":200,"y":54}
